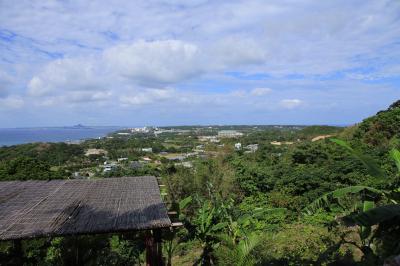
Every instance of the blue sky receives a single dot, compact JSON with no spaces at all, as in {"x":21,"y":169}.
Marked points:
{"x":160,"y":62}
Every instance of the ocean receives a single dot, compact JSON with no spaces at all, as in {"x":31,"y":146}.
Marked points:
{"x":14,"y":136}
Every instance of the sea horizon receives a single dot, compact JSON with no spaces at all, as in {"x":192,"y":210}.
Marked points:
{"x":77,"y":133}
{"x":16,"y":136}
{"x":176,"y":125}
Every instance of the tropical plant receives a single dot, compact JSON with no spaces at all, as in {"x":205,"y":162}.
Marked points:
{"x":366,"y":214}
{"x":326,"y":200}
{"x":238,"y":252}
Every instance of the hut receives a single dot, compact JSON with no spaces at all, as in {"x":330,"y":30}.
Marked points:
{"x":30,"y":209}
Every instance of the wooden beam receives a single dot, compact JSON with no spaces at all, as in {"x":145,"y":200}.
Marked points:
{"x":177,"y":224}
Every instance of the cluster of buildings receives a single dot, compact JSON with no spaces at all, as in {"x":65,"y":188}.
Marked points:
{"x":158,"y":131}
{"x":208,"y":138}
{"x":187,"y":164}
{"x":178,"y":159}
{"x":109,"y":166}
{"x":229,"y":134}
{"x":251,"y":148}
{"x":213,"y":139}
{"x":221,"y":134}
{"x":140,"y":130}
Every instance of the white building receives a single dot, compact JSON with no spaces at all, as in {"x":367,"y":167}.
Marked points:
{"x":147,"y":149}
{"x":140,"y":130}
{"x":123,"y":133}
{"x":252,"y":147}
{"x":185,"y":164}
{"x":238,"y":146}
{"x":108,"y":167}
{"x":208,"y":138}
{"x":229,"y":134}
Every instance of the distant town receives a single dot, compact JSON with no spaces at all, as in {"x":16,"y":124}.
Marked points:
{"x":182,"y":146}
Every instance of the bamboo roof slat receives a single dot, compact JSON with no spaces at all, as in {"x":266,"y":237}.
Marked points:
{"x":66,"y":207}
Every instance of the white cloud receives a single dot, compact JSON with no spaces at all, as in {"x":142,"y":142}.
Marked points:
{"x":290,"y":103}
{"x":147,"y":96}
{"x":11,"y":102}
{"x":75,"y":53}
{"x":87,"y":96}
{"x":156,"y":62}
{"x":147,"y":64}
{"x":5,"y":82}
{"x":260,"y":91}
{"x":36,"y":87}
{"x":71,"y":98}
{"x":302,"y":37}
{"x":67,"y":75}
{"x":236,"y":52}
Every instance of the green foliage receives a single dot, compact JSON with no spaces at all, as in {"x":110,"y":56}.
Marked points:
{"x":375,"y":216}
{"x":240,"y":253}
{"x":123,"y":251}
{"x":313,"y":131}
{"x":51,"y":153}
{"x":183,"y":182}
{"x":378,"y":130}
{"x":240,"y":208}
{"x":372,"y":167}
{"x":365,"y":231}
{"x":208,"y":222}
{"x":298,"y":244}
{"x":257,"y":214}
{"x":327,"y":199}
{"x":25,"y":168}
{"x":396,"y":157}
{"x":367,"y":215}
{"x":185,"y":202}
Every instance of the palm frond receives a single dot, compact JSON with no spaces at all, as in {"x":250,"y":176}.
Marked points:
{"x":245,"y":247}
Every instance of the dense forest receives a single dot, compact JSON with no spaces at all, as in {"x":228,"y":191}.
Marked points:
{"x":331,"y":201}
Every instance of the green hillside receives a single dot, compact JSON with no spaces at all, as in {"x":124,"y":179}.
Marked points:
{"x":290,"y":201}
{"x":381,"y":129}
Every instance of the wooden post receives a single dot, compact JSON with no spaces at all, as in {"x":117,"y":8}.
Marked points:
{"x":158,"y":242}
{"x":17,"y":253}
{"x":153,"y":248}
{"x":149,"y":243}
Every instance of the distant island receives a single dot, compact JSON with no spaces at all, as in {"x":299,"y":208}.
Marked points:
{"x":78,"y":126}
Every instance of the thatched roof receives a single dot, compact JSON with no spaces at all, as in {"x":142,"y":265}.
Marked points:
{"x":65,"y":207}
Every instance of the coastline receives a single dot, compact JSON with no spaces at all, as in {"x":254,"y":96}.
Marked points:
{"x":70,"y":135}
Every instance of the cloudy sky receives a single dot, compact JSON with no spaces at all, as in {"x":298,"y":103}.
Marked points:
{"x":160,"y":62}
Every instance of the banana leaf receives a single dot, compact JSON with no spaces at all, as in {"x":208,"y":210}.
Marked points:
{"x":183,"y":203}
{"x":396,"y":157}
{"x":374,"y":216}
{"x":370,"y":164}
{"x":327,"y":199}
{"x":366,"y":230}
